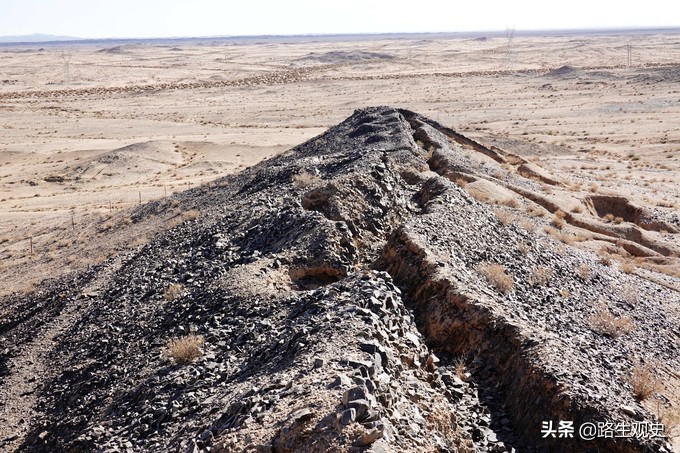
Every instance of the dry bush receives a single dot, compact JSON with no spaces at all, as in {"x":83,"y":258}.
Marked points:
{"x":460,"y":182}
{"x":550,"y":231}
{"x":577,"y":209}
{"x":478,"y":195}
{"x":190,"y":215}
{"x":186,"y":349}
{"x":306,"y":179}
{"x":173,"y":291}
{"x":583,"y":271}
{"x":511,"y":203}
{"x":605,"y":322}
{"x":558,"y":220}
{"x":565,"y":293}
{"x":605,"y":257}
{"x":566,"y":238}
{"x":527,"y":225}
{"x":608,"y":217}
{"x":536,"y":211}
{"x":523,"y":248}
{"x":495,"y":274}
{"x":627,"y":267}
{"x":670,"y":417}
{"x":504,"y":217}
{"x":460,"y":369}
{"x":593,"y":187}
{"x":540,"y":276}
{"x":618,"y":220}
{"x":643,"y":380}
{"x":630,"y":293}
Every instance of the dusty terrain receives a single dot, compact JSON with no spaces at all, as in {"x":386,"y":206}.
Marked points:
{"x":122,"y":122}
{"x":361,"y":261}
{"x":346,"y":298}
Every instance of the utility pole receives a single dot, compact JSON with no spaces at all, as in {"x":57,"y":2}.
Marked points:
{"x":67,"y":65}
{"x":510,"y":33}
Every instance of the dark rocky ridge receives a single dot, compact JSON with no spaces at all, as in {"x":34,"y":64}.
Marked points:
{"x":334,"y":286}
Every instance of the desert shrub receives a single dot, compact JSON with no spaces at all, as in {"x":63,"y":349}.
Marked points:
{"x":504,"y":217}
{"x":630,"y":293}
{"x":558,"y":220}
{"x":511,"y":203}
{"x":173,"y":291}
{"x":627,"y":267}
{"x":536,"y":211}
{"x":583,"y":271}
{"x":540,"y":276}
{"x":306,"y":179}
{"x":643,"y":380}
{"x":460,"y":369}
{"x":495,"y":274}
{"x":186,"y":349}
{"x":606,"y":323}
{"x":190,"y":215}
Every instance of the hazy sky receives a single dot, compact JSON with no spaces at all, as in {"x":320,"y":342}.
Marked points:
{"x":143,"y":18}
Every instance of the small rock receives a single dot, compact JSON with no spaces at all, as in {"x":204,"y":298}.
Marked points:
{"x":355,"y":393}
{"x":629,"y":410}
{"x":319,"y":362}
{"x":340,"y":381}
{"x":370,"y":436}
{"x":361,"y":407}
{"x":348,"y":416}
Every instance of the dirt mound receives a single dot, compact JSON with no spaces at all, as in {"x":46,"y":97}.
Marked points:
{"x":140,"y":158}
{"x":337,"y":56}
{"x":565,"y":71}
{"x":119,"y":50}
{"x":343,"y":296}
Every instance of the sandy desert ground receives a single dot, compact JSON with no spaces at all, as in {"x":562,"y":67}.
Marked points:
{"x":87,"y":131}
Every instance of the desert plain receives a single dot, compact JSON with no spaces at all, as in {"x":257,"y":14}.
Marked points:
{"x":102,"y":141}
{"x":90,"y":130}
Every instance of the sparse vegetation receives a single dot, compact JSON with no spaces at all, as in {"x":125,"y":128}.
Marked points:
{"x":627,"y":267}
{"x":606,"y":323}
{"x":540,"y":276}
{"x":460,"y":368}
{"x":190,"y":215}
{"x":605,"y":257}
{"x":504,"y":217}
{"x":306,"y":179}
{"x":185,"y":350}
{"x":496,"y":275}
{"x":536,"y":211}
{"x":643,"y":380}
{"x":173,"y":291}
{"x":630,"y":293}
{"x":523,"y":248}
{"x":583,"y":271}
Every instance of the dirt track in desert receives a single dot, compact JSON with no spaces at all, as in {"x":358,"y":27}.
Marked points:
{"x":88,"y":131}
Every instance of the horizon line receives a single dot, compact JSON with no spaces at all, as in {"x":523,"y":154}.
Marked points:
{"x":74,"y":39}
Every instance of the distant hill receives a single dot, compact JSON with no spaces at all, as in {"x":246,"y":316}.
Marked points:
{"x":36,"y":37}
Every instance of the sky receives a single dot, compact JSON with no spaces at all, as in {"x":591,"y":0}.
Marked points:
{"x":166,"y":18}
